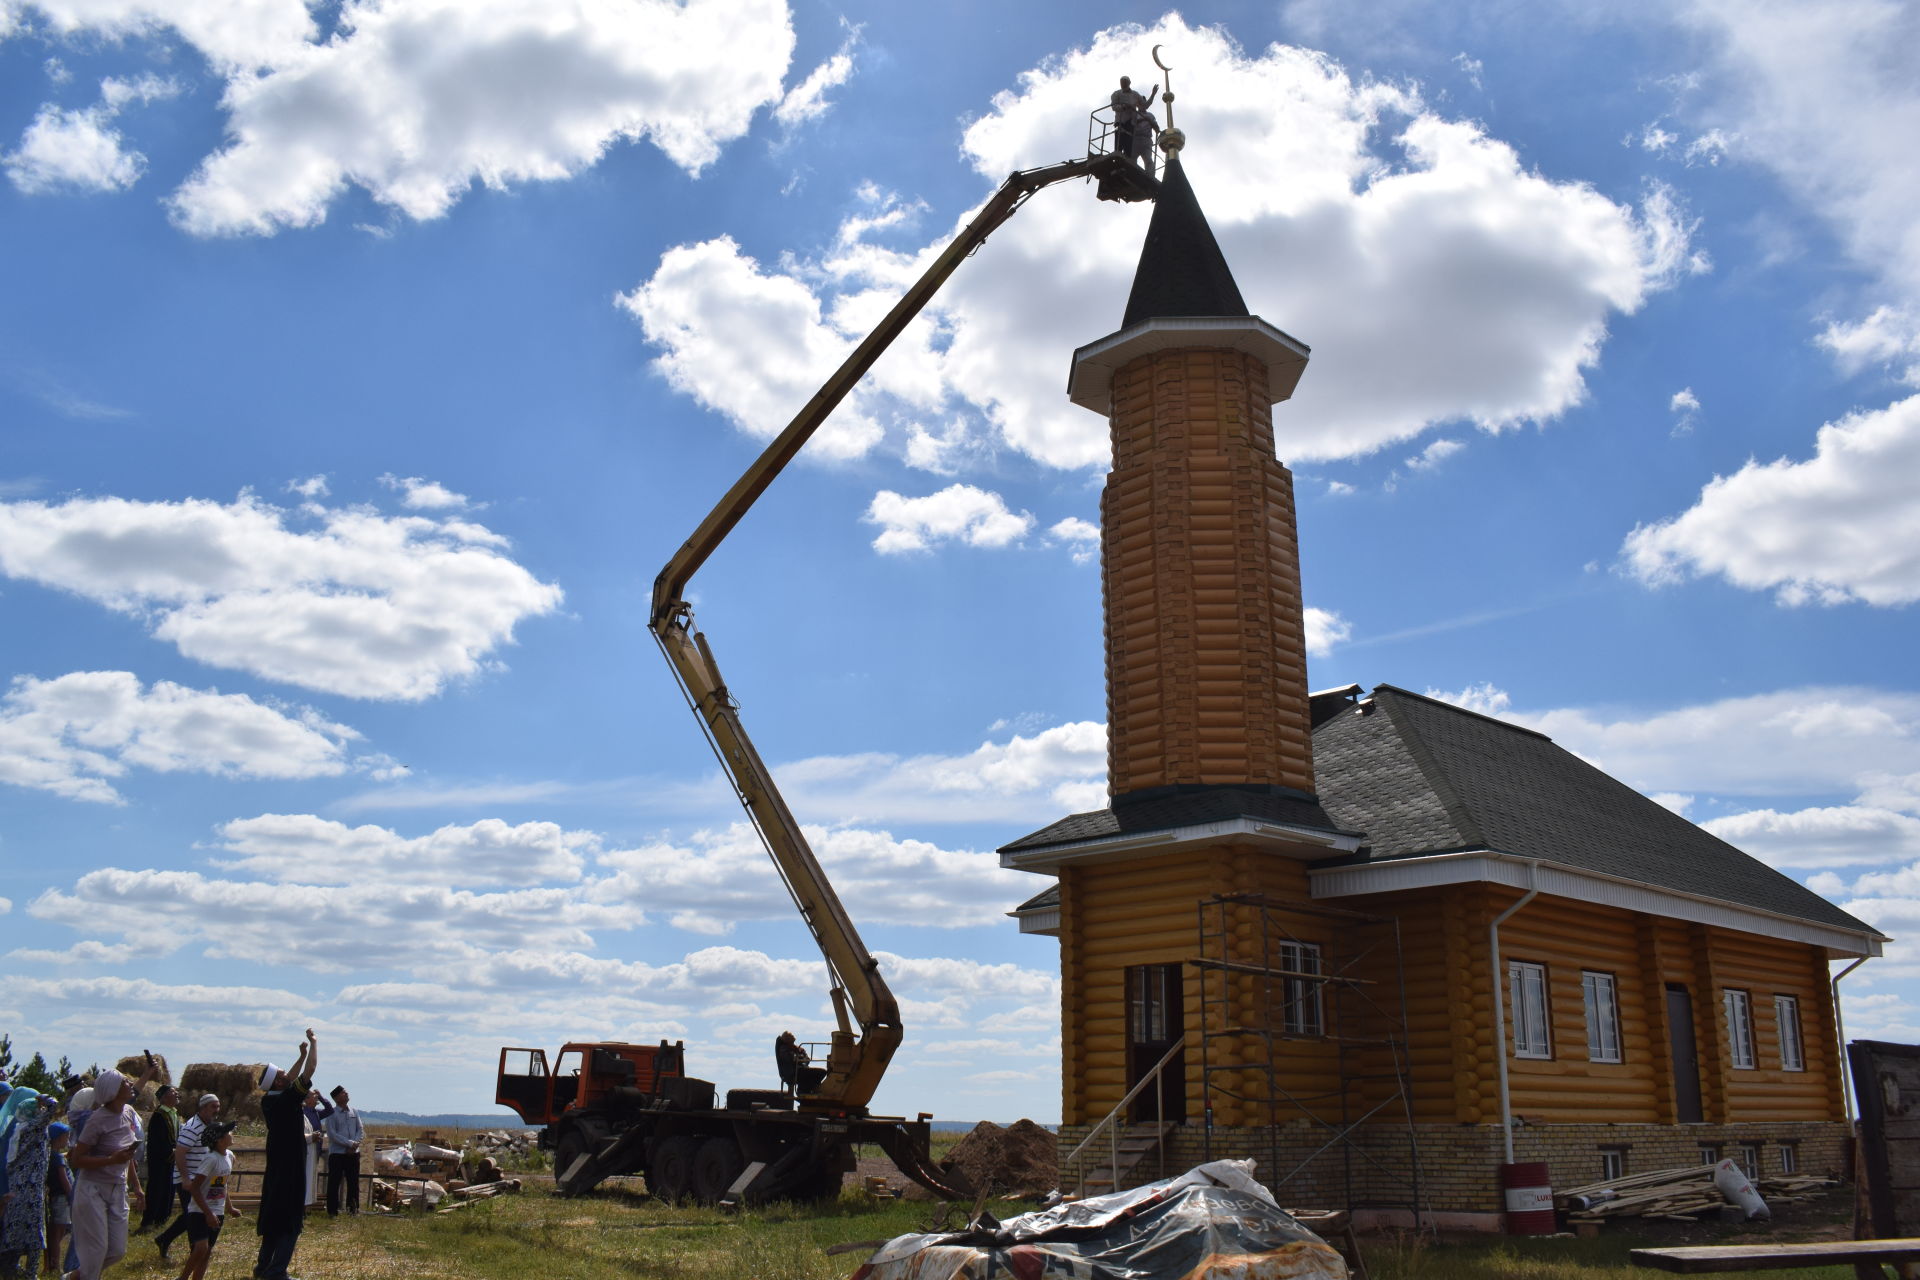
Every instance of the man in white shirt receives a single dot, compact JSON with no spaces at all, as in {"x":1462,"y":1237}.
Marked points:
{"x":344,"y":1135}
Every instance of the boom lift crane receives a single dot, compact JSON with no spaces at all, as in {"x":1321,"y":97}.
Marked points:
{"x":780,"y":1145}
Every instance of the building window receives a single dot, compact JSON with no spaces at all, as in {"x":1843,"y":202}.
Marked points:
{"x":1786,"y":1015}
{"x":1709,"y":1153}
{"x":1603,"y":1017}
{"x":1789,"y":1158}
{"x":1613,"y":1163}
{"x":1747,"y":1155}
{"x":1150,"y":994}
{"x":1300,"y":1008}
{"x":1527,"y":994}
{"x":1740,"y":1028}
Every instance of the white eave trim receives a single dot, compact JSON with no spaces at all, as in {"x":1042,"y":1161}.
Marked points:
{"x":1584,"y":886}
{"x":1282,"y":837}
{"x":1045,"y":921}
{"x":1090,"y":383}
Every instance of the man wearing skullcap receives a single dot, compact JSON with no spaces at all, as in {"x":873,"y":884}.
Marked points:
{"x":283,"y":1188}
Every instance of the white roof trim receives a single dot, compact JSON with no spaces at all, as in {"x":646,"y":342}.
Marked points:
{"x":1585,"y":886}
{"x":1122,"y":848}
{"x":1045,"y":921}
{"x":1090,"y":383}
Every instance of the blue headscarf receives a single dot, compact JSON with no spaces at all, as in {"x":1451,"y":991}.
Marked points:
{"x":18,"y":1100}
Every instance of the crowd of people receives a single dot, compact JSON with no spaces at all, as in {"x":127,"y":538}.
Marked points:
{"x":75,"y":1165}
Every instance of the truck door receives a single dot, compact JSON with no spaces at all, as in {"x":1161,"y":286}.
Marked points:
{"x":522,"y":1083}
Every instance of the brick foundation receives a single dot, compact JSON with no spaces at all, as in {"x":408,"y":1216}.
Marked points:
{"x":1460,"y":1164}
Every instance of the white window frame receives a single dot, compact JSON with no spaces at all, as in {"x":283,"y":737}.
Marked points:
{"x":1529,"y":1009}
{"x":1301,"y":1011}
{"x":1739,"y":1007}
{"x":1613,"y":1163}
{"x":1789,"y":1158}
{"x":1786,"y":1017}
{"x":1751,"y":1158}
{"x":1601,"y":996}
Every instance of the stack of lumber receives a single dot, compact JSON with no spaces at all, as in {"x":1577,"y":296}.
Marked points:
{"x":1679,"y":1194}
{"x":1682,"y":1193}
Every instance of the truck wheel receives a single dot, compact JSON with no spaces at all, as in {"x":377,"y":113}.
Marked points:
{"x":670,"y":1176}
{"x":568,"y":1149}
{"x":716,"y":1166}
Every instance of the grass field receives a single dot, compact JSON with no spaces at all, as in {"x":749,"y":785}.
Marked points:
{"x":620,"y":1233}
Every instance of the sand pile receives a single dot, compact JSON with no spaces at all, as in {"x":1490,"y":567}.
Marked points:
{"x":236,"y":1084}
{"x":1018,"y":1161}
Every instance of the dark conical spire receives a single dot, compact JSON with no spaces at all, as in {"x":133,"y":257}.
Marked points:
{"x":1182,"y":271}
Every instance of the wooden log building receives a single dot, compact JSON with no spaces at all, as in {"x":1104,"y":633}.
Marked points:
{"x":1365,"y":936}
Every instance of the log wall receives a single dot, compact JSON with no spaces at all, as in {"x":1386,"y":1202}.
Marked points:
{"x":1205,"y":630}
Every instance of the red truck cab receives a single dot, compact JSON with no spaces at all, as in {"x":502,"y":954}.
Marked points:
{"x":584,"y":1075}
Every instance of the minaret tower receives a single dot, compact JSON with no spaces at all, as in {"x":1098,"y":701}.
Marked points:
{"x":1206,"y":644}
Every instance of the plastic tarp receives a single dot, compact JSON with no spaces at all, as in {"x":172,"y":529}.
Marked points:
{"x":1213,"y":1222}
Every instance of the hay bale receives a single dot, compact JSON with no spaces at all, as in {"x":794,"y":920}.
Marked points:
{"x":237,"y":1085}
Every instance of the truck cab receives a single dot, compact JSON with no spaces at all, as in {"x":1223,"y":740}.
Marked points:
{"x":584,"y":1076}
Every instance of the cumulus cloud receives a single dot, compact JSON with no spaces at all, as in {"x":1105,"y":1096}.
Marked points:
{"x":958,"y":513}
{"x":1036,"y":776}
{"x":1083,"y":536}
{"x":305,"y":848}
{"x":1434,"y":454}
{"x":424,"y":495}
{"x":1397,"y":231}
{"x":359,"y":604}
{"x":72,"y":151}
{"x":415,"y":101}
{"x":1325,"y":629}
{"x":73,"y":734}
{"x":1843,"y":525}
{"x":235,"y":34}
{"x":1889,"y":336}
{"x":1826,"y":836}
{"x":808,"y":99}
{"x":1685,"y":407}
{"x":725,"y":877}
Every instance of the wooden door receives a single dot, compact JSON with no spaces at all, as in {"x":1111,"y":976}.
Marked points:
{"x":1686,"y":1055}
{"x":1155,"y":1019}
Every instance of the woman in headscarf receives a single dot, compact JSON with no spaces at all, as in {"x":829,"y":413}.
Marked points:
{"x":108,"y":1177}
{"x":23,"y":1230}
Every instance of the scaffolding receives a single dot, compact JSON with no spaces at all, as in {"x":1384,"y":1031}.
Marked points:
{"x":1264,"y":988}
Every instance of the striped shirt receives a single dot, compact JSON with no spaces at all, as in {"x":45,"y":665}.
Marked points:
{"x":192,"y":1140}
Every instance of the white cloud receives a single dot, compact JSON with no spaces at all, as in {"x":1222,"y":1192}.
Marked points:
{"x":1710,"y":148}
{"x":1656,"y":139}
{"x":1828,"y":836}
{"x":723,"y":878}
{"x":1325,"y":629}
{"x":1471,"y":68}
{"x":72,"y":151}
{"x":311,"y":487}
{"x":72,"y":734}
{"x":1386,"y":210}
{"x":1841,"y":526}
{"x":424,"y":495}
{"x":1889,"y":336}
{"x":808,"y":99}
{"x":312,"y":850}
{"x":1434,"y":454}
{"x":1675,"y":801}
{"x":1338,"y":488}
{"x":958,"y":513}
{"x":235,"y":34}
{"x":1794,"y":742}
{"x":1685,"y":406}
{"x":364,"y":605}
{"x":416,"y":101}
{"x":1038,"y":776}
{"x":1083,"y":536}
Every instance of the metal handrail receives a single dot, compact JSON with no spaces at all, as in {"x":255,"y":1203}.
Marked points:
{"x":1113,"y":1158}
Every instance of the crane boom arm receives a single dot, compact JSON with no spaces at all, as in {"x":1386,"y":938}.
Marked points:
{"x":855,"y":1064}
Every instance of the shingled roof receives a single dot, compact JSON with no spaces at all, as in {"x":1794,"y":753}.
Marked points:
{"x":1421,"y":776}
{"x":1181,"y":271}
{"x":1183,"y":807}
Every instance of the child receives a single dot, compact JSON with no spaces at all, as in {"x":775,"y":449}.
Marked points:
{"x":208,"y":1196}
{"x":59,"y":1196}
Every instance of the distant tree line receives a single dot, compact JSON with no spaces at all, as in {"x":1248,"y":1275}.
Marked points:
{"x":35,"y":1073}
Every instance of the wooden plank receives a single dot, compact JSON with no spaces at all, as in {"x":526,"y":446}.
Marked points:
{"x":1705,"y":1259}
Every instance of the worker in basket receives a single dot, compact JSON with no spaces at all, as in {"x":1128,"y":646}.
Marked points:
{"x":797,"y":1072}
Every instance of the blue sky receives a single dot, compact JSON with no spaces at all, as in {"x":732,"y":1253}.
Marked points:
{"x":360,"y":366}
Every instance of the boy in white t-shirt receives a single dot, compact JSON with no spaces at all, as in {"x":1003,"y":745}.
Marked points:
{"x":207,"y":1199}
